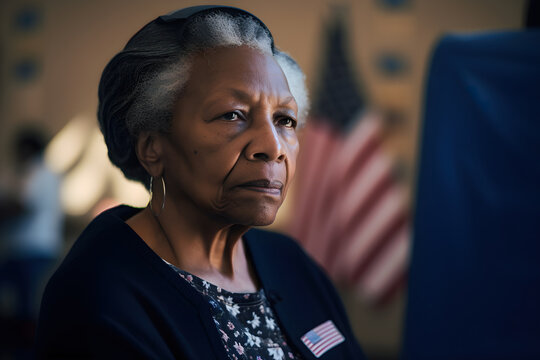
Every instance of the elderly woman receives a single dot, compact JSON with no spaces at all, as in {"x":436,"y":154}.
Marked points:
{"x":202,"y":108}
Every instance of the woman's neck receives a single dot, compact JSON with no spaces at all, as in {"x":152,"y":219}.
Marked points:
{"x":206,"y":249}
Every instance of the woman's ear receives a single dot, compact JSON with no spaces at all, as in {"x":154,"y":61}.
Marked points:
{"x":149,"y":149}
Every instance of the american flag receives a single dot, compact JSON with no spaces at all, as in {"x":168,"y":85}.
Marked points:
{"x":351,"y":214}
{"x":322,"y":338}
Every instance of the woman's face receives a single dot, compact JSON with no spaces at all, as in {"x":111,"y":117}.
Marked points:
{"x":232,"y":149}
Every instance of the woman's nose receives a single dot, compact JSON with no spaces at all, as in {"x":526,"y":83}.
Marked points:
{"x":265,"y":143}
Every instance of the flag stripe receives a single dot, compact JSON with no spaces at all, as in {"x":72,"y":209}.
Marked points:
{"x":361,"y":143}
{"x":391,"y":232}
{"x":328,"y":338}
{"x":330,"y":343}
{"x":366,"y":185}
{"x":396,"y":285}
{"x":323,"y":326}
{"x":363,"y":239}
{"x":352,"y":203}
{"x":316,"y":152}
{"x":388,"y":267}
{"x":358,"y":201}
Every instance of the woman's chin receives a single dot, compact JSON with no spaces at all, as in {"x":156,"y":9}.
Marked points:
{"x":264,"y":222}
{"x":254,"y":216}
{"x":249,"y":211}
{"x":260,"y":220}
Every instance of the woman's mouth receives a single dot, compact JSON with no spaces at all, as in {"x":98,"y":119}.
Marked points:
{"x":272,"y":187}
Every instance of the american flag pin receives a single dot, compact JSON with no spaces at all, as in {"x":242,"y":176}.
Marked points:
{"x":322,"y":338}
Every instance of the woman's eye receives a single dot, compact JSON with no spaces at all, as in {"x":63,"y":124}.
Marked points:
{"x":287,"y":122}
{"x":231,"y":116}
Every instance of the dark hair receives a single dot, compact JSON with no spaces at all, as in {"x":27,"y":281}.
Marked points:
{"x":150,"y":51}
{"x":140,"y":85}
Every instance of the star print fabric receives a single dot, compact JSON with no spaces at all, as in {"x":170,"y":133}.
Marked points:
{"x":245,"y":322}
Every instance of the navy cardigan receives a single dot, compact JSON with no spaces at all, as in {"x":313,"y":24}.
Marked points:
{"x":113,"y":297}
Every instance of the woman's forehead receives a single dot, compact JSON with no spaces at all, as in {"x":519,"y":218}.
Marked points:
{"x":236,"y":70}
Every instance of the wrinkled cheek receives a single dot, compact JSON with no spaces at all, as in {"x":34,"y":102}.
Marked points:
{"x":216,"y":164}
{"x":217,"y":171}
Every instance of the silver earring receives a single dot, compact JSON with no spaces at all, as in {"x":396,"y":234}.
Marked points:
{"x":152,"y":196}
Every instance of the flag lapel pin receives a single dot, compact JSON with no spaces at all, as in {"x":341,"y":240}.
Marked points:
{"x":322,"y":338}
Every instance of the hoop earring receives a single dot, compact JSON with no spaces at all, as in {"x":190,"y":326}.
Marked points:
{"x":152,"y":196}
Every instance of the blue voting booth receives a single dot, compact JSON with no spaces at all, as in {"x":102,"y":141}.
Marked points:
{"x":474,"y":289}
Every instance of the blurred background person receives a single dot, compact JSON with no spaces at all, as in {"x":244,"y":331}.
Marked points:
{"x":31,"y":226}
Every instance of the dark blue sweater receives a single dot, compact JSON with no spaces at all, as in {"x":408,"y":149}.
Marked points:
{"x":113,"y":297}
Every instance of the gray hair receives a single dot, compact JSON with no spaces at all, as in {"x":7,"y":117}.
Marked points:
{"x":141,"y":84}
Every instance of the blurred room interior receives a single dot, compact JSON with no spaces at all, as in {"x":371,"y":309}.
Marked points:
{"x":53,"y":52}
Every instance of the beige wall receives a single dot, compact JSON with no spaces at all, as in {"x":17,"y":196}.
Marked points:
{"x":78,"y":37}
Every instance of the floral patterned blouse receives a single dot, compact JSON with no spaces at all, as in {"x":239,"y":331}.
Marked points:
{"x":246,"y":322}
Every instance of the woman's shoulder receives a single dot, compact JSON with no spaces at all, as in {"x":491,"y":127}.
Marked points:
{"x":105,"y":279}
{"x":103,"y":240}
{"x":105,"y":251}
